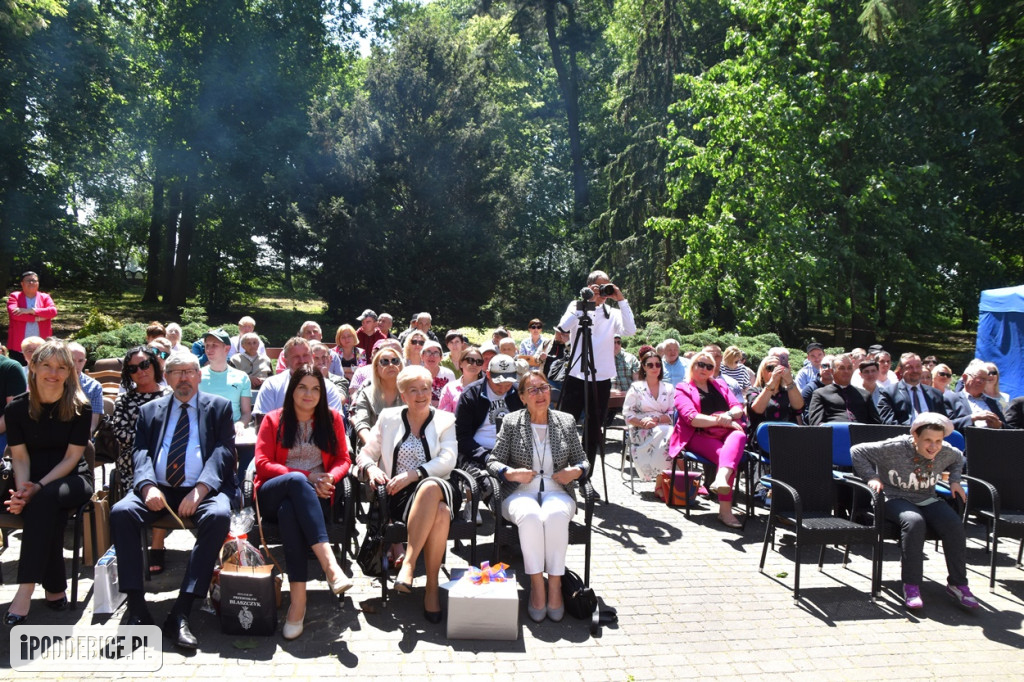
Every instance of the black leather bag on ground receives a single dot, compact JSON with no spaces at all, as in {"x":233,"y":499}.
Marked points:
{"x":370,"y":550}
{"x":580,"y":600}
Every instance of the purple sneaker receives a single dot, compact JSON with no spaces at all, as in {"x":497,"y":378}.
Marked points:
{"x":963,"y":595}
{"x":912,"y":595}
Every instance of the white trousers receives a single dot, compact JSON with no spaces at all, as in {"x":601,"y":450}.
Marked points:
{"x":543,"y":528}
{"x":649,"y":456}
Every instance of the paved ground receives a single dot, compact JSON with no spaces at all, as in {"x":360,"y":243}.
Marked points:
{"x":691,"y":604}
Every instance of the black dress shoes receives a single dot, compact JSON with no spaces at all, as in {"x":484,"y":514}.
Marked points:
{"x":176,"y":629}
{"x":433,"y":616}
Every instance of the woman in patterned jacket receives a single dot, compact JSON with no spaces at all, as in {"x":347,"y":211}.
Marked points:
{"x":538,"y":458}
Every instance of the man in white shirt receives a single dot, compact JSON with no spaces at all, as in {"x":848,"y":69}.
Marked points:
{"x":607,"y":322}
{"x":271,"y":395}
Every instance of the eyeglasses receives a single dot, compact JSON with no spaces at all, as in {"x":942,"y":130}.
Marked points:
{"x":538,"y":390}
{"x":384,"y":362}
{"x":182,"y":372}
{"x":145,"y":364}
{"x":416,"y":342}
{"x":944,"y":375}
{"x":434,"y":353}
{"x":770,"y":368}
{"x":31,"y":281}
{"x":703,"y":365}
{"x":479,"y":362}
{"x":536,"y":326}
{"x":652,"y":365}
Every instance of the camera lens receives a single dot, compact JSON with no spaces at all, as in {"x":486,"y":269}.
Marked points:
{"x":607,"y":290}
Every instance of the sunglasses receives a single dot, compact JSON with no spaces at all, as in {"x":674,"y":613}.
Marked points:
{"x":826,"y":365}
{"x":703,"y":365}
{"x":993,"y":374}
{"x":416,"y":342}
{"x":652,"y":365}
{"x":162,"y":354}
{"x":384,"y":362}
{"x":144,"y":365}
{"x":945,"y":375}
{"x":536,"y":326}
{"x":479,"y":362}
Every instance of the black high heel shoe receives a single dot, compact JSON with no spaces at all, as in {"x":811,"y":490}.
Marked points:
{"x":434,"y":617}
{"x":57,"y":604}
{"x":12,"y":619}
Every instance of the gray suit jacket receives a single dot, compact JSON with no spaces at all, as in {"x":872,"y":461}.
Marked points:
{"x":514,"y":448}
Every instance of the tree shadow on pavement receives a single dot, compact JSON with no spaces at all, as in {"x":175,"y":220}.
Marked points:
{"x":627,"y":526}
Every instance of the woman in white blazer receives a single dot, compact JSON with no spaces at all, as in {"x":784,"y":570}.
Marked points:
{"x":411,"y":451}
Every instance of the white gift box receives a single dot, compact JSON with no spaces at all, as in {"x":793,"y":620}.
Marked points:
{"x":107,"y":596}
{"x":487,"y":611}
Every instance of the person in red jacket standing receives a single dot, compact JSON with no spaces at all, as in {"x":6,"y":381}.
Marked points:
{"x":30,"y":312}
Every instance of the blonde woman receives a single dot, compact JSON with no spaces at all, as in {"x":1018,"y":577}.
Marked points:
{"x":47,"y":431}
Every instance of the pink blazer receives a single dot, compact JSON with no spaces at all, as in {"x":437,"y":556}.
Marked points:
{"x":44,"y":308}
{"x":688,"y":407}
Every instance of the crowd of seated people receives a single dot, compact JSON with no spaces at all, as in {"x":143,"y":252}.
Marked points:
{"x":386,"y":398}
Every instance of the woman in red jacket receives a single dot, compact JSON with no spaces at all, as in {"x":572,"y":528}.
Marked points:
{"x":30,"y":312}
{"x":301,"y":453}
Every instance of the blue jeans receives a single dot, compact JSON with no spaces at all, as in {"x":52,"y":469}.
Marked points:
{"x":914,"y":521}
{"x":292,"y":500}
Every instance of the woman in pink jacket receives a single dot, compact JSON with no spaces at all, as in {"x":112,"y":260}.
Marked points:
{"x":30,"y":312}
{"x":710,"y":424}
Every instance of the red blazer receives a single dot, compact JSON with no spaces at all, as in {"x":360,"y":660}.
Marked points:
{"x":44,"y":308}
{"x":687,"y":407}
{"x":271,"y":455}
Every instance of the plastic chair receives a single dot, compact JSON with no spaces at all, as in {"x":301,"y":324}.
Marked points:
{"x":997,"y":487}
{"x":804,"y":497}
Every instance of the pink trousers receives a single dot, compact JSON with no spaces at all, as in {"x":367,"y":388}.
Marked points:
{"x":727,"y":454}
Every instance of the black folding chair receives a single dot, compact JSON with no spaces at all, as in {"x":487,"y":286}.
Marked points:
{"x":804,"y":499}
{"x":996,"y":496}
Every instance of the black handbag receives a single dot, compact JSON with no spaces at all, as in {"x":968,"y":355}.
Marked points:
{"x":6,"y":480}
{"x":581,"y":602}
{"x":370,"y":551}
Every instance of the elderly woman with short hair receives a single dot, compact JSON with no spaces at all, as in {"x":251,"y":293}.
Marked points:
{"x":440,"y":376}
{"x":710,"y":424}
{"x":411,"y":451}
{"x":538,"y":459}
{"x":256,"y":365}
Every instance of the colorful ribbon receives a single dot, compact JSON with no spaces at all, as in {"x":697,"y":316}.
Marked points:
{"x":487,"y":573}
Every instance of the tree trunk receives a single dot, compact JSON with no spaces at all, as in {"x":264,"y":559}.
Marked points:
{"x":156,"y":222}
{"x":179,"y":285}
{"x":567,"y":83}
{"x":170,"y":240}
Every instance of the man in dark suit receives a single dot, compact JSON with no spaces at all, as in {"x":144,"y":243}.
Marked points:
{"x":902,"y":402}
{"x":970,"y":406}
{"x":839,"y":401}
{"x":184,"y":459}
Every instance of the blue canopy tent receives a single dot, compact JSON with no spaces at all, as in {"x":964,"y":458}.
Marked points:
{"x":1001,"y":336}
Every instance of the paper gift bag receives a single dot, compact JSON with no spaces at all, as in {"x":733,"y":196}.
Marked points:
{"x":662,"y":489}
{"x":101,"y":513}
{"x":484,"y":610}
{"x":107,"y":596}
{"x":247,"y":601}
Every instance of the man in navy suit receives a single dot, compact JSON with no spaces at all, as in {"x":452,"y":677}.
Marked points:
{"x":903,"y":401}
{"x":184,"y":458}
{"x":970,"y":406}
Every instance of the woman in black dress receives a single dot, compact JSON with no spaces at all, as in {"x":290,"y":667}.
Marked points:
{"x":47,"y":431}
